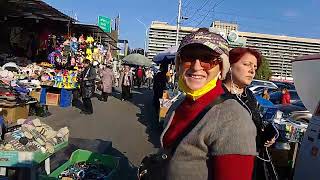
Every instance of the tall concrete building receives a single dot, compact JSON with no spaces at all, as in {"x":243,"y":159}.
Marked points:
{"x":162,"y":36}
{"x":227,"y":26}
{"x":279,"y":50}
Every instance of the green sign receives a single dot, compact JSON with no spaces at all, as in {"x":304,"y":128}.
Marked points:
{"x":104,"y":23}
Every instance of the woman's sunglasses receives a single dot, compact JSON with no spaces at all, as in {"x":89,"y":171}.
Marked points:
{"x":207,"y":62}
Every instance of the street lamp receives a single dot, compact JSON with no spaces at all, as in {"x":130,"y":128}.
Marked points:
{"x":146,"y":36}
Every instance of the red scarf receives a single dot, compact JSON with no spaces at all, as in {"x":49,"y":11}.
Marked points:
{"x":187,"y":112}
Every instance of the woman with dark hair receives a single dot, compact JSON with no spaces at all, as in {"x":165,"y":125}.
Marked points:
{"x":243,"y":65}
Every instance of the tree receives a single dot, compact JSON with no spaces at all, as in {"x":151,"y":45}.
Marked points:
{"x":264,"y":72}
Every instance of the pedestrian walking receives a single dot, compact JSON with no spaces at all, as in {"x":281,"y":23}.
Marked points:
{"x":107,"y":79}
{"x":126,"y":83}
{"x":149,"y":77}
{"x":159,"y":85}
{"x":87,"y":85}
{"x":139,"y":76}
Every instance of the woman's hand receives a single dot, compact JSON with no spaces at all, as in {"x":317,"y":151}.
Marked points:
{"x":269,"y":143}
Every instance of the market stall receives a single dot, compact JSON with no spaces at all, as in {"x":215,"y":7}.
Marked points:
{"x":28,"y":144}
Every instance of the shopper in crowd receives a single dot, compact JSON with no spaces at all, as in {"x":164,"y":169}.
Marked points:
{"x":107,"y":79}
{"x":285,"y":98}
{"x":149,"y":77}
{"x":243,"y":65}
{"x":220,"y":139}
{"x":265,"y":94}
{"x":87,"y":80}
{"x":159,"y":85}
{"x":126,"y":81}
{"x":139,"y":76}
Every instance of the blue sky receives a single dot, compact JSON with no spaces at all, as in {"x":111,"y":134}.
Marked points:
{"x":284,"y":17}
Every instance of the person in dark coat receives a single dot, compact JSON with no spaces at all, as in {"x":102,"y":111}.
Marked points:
{"x":159,"y":85}
{"x":87,"y":86}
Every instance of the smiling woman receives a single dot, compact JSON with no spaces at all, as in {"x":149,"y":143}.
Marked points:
{"x":207,"y":135}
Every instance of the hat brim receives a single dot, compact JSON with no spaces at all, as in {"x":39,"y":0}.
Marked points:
{"x":215,"y":49}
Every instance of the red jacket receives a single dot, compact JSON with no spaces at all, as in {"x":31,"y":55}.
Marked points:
{"x":285,"y":99}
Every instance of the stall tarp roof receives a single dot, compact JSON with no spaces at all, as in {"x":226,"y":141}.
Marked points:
{"x":96,"y":31}
{"x":35,"y":9}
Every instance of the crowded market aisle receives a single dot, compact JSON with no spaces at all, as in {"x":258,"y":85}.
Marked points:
{"x":129,"y":125}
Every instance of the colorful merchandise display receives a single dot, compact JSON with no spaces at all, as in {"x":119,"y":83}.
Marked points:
{"x":85,"y":170}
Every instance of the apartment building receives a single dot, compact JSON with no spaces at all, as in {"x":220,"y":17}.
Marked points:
{"x":279,"y":50}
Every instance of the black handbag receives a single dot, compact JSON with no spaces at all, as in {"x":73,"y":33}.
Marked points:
{"x":264,"y":168}
{"x":152,"y":167}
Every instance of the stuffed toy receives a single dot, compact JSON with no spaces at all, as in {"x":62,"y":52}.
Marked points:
{"x":74,"y":45}
{"x":89,"y":54}
{"x":89,"y":40}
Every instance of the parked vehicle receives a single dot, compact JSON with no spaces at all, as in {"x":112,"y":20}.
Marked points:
{"x":256,"y":82}
{"x":258,"y":88}
{"x":282,"y":85}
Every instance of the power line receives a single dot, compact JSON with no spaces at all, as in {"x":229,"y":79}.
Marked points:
{"x":199,"y":9}
{"x":214,"y":6}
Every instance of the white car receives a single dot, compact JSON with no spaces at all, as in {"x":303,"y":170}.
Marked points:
{"x":260,"y":88}
{"x":267,"y":84}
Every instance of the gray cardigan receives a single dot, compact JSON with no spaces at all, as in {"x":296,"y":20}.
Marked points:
{"x":227,"y":128}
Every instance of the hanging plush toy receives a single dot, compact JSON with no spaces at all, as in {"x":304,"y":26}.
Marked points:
{"x":89,"y":40}
{"x":74,"y":45}
{"x":73,"y":61}
{"x":89,"y":54}
{"x":81,"y":39}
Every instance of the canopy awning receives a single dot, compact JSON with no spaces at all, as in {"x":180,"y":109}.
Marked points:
{"x":33,"y":9}
{"x":96,"y":32}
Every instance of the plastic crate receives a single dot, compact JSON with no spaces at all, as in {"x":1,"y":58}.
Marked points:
{"x":26,"y":159}
{"x":90,"y":157}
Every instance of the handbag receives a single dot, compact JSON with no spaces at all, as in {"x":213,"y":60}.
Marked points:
{"x":87,"y":82}
{"x":152,"y":166}
{"x":264,"y":168}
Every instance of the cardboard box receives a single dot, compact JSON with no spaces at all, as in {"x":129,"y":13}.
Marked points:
{"x":52,"y":99}
{"x":12,"y":114}
{"x":36,"y":95}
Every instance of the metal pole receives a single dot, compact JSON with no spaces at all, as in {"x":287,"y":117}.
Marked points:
{"x":178,"y":22}
{"x":146,"y":43}
{"x":282,"y":68}
{"x":146,"y":36}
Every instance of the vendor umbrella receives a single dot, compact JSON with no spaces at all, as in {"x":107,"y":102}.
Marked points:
{"x":137,"y":59}
{"x":166,"y":56}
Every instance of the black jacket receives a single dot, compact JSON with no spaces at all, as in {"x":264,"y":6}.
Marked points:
{"x":87,"y":86}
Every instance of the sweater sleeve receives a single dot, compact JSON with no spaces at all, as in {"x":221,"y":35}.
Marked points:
{"x":231,"y":167}
{"x":233,"y":131}
{"x":232,"y":142}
